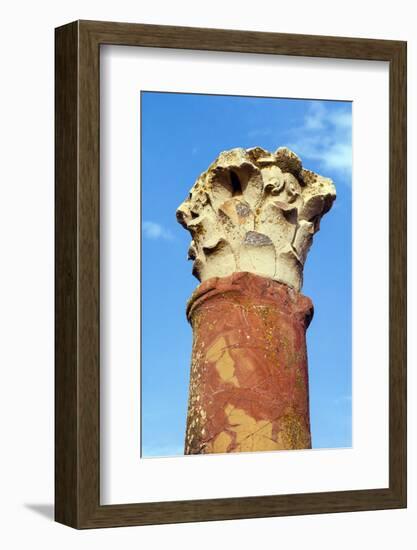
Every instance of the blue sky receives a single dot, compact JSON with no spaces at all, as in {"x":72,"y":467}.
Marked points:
{"x":181,"y":136}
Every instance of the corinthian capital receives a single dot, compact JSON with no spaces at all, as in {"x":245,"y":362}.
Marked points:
{"x":255,"y":211}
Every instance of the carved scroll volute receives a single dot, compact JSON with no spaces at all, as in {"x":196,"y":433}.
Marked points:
{"x":255,"y":211}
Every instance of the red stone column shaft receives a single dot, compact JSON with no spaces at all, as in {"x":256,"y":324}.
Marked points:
{"x":249,"y":377}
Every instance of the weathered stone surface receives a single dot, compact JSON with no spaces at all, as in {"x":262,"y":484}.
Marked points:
{"x":252,"y":216}
{"x":249,"y":381}
{"x":255,"y":211}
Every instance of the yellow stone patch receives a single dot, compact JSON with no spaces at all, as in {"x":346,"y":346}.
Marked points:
{"x":244,"y":362}
{"x":221,"y":443}
{"x":251,"y":435}
{"x":225,"y":365}
{"x":216,"y":349}
{"x":256,"y":435}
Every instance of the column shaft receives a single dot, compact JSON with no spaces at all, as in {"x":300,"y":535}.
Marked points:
{"x":249,"y":376}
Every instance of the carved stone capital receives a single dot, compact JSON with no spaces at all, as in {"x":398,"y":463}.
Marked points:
{"x":255,"y":211}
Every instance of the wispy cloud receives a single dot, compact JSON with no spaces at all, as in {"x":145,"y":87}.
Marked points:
{"x":326,"y":137}
{"x":314,"y":119}
{"x":155,"y":231}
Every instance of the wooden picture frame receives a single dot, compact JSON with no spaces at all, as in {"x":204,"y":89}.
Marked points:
{"x":77,"y":374}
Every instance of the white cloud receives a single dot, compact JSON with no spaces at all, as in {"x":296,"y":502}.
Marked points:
{"x":341,"y":119}
{"x":153,"y":230}
{"x":326,"y":137}
{"x":314,"y":120}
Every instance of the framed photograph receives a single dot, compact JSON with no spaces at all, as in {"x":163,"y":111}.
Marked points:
{"x":266,"y":376}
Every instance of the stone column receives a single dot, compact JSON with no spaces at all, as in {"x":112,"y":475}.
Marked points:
{"x":252,"y":216}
